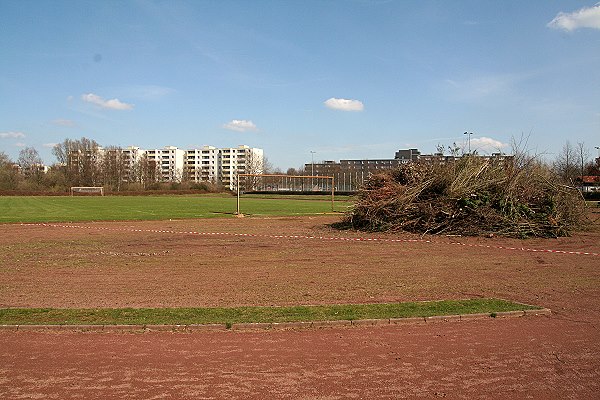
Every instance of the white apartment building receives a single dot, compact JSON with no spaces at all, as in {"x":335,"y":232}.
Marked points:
{"x":202,"y":164}
{"x":242,"y":159}
{"x":131,"y":156}
{"x":169,"y":162}
{"x":221,"y":165}
{"x":206,"y":164}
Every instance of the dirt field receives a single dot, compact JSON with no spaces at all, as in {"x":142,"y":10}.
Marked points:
{"x":297,"y":261}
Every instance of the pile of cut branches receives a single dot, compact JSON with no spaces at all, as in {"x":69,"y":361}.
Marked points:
{"x":472,"y":196}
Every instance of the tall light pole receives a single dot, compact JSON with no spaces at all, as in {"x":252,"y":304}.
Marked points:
{"x":468,"y":139}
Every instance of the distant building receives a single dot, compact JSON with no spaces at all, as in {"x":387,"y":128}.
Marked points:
{"x":221,"y":165}
{"x":169,"y":162}
{"x":241,"y":159}
{"x":349,"y":175}
{"x":407,"y":155}
{"x":589,"y":183}
{"x":172,"y":164}
{"x":208,"y":163}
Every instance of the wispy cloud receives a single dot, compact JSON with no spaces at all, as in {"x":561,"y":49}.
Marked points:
{"x":480,"y":86}
{"x":587,"y":17}
{"x":146,"y":92}
{"x":11,"y":135}
{"x":240,"y":125}
{"x":49,"y":145}
{"x":344,"y":104}
{"x":64,"y":122}
{"x":113,"y":104}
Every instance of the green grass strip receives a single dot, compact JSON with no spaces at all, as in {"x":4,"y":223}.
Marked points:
{"x":123,"y":208}
{"x":186,"y":316}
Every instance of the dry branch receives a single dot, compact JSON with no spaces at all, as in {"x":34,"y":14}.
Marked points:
{"x":472,"y":196}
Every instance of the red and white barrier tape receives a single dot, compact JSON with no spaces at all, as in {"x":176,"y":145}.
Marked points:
{"x":328,"y":238}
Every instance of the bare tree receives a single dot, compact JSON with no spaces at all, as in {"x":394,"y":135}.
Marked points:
{"x":113,"y":167}
{"x":4,"y":159}
{"x":583,"y":155}
{"x":31,"y":165}
{"x":80,"y":159}
{"x":145,"y":171}
{"x":9,"y":177}
{"x":454,"y":150}
{"x":254,"y":163}
{"x":565,"y":163}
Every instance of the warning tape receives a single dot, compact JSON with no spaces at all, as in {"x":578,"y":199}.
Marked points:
{"x":324,"y":238}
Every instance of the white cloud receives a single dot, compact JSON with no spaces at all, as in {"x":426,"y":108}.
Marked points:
{"x":113,"y":104}
{"x":20,"y":144}
{"x":64,"y":122}
{"x":344,"y":104}
{"x":240,"y":125}
{"x":584,"y":18}
{"x":49,"y":145}
{"x":485,"y":145}
{"x":11,"y":135}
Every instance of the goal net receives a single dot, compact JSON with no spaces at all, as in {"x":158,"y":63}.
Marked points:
{"x":87,"y":190}
{"x":284,"y":184}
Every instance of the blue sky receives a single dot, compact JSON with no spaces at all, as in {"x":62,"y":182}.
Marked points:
{"x":344,"y":79}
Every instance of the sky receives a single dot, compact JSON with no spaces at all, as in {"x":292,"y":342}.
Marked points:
{"x":304,"y":80}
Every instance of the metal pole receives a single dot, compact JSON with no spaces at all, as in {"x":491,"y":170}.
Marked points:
{"x":468,"y":139}
{"x":332,"y":192}
{"x":238,"y":194}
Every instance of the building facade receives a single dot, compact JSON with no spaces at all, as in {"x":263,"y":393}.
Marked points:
{"x":241,"y":159}
{"x":221,"y":165}
{"x":349,"y":175}
{"x":169,"y":163}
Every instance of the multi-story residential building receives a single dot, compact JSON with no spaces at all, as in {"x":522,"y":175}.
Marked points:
{"x":242,"y":159}
{"x":202,"y":164}
{"x":221,"y":165}
{"x":131,"y":156}
{"x":169,"y":162}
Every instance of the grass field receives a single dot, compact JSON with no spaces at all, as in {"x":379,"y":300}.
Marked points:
{"x":124,"y":208}
{"x":212,"y":315}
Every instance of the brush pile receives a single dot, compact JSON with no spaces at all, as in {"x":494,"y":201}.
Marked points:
{"x":472,"y":196}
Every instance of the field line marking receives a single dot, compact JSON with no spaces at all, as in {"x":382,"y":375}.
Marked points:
{"x":331,"y":238}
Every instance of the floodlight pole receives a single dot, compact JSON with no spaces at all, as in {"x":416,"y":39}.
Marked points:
{"x":468,"y":139}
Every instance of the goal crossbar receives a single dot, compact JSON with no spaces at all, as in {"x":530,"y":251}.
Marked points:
{"x":87,"y":189}
{"x":286,"y":177}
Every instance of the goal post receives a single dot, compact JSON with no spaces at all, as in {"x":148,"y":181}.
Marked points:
{"x":279,"y":183}
{"x":87,"y":190}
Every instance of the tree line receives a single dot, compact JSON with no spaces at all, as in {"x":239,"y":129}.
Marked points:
{"x":83,"y":162}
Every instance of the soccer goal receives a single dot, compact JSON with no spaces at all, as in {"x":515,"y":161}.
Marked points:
{"x":87,"y":190}
{"x":284,"y":184}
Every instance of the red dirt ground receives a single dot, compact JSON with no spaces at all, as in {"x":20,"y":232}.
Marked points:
{"x":125,"y":265}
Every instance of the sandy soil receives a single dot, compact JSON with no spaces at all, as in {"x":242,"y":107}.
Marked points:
{"x":132,"y":264}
